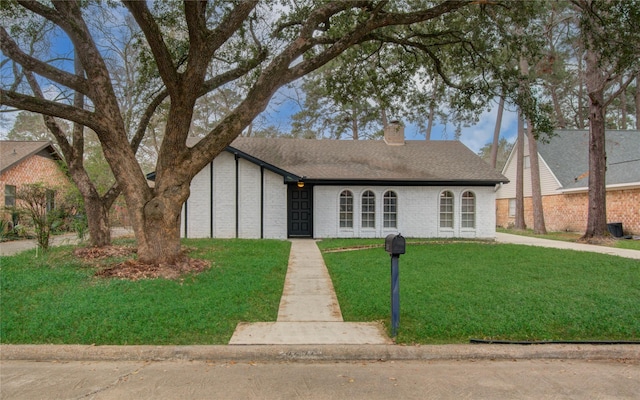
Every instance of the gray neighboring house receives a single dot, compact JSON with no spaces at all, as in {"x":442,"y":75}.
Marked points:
{"x":280,"y":188}
{"x":564,"y":175}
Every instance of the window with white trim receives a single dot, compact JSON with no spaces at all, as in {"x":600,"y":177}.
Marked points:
{"x":468,"y":210}
{"x":368,"y":209}
{"x":346,"y":209}
{"x":390,"y":210}
{"x":9,"y":196}
{"x":512,"y":207}
{"x":446,"y":209}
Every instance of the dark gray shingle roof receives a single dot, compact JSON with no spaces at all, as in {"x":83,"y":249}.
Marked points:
{"x":567,"y":154}
{"x":368,"y":160}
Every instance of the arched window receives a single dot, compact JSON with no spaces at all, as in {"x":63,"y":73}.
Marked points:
{"x":390,"y":210}
{"x":446,"y":209}
{"x":468,"y":210}
{"x":346,"y":209}
{"x":368,"y":209}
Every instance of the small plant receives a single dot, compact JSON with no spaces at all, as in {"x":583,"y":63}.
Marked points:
{"x":37,"y":202}
{"x":5,"y":228}
{"x":80,"y":226}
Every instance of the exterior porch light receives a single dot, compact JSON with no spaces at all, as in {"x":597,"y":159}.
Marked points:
{"x":300,"y":184}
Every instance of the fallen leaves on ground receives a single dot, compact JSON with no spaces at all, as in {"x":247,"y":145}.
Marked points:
{"x":133,"y":269}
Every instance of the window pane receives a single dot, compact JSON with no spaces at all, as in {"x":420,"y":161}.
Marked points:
{"x":346,"y":209}
{"x":468,"y":211}
{"x":9,"y":196}
{"x":51,"y":198}
{"x":368,"y":209}
{"x":512,"y":207}
{"x":390,"y":216}
{"x":446,"y":209}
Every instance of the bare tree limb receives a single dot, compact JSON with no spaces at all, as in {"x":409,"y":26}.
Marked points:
{"x":47,"y":107}
{"x":12,"y":51}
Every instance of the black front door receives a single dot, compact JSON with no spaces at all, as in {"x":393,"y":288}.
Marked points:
{"x":300,"y":201}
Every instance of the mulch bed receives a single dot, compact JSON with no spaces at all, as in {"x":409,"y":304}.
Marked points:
{"x":132,"y":269}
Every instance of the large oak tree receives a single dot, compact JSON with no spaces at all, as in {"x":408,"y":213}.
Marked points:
{"x":201,"y":46}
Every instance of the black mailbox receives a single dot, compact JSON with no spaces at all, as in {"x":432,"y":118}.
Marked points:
{"x":395,"y":244}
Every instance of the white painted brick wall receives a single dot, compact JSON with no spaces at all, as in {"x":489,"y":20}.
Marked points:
{"x":418,"y":212}
{"x":249,"y":211}
{"x":224,"y":197}
{"x":199,"y":212}
{"x":418,"y":208}
{"x":275,"y":206}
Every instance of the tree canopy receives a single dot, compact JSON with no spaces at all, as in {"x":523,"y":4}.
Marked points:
{"x":232,"y":57}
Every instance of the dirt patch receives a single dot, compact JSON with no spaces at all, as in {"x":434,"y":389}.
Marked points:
{"x":135,"y":270}
{"x":599,"y":241}
{"x":132,"y":269}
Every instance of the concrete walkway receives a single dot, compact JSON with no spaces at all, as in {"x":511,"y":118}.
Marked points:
{"x":557,"y":244}
{"x":309,"y":312}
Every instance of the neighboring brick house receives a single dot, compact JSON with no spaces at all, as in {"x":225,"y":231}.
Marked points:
{"x":564,"y":177}
{"x":23,"y":162}
{"x":279,"y":188}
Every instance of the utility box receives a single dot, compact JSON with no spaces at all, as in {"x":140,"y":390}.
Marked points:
{"x":395,"y":244}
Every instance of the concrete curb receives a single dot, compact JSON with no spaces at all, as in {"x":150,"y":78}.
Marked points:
{"x":305,"y":353}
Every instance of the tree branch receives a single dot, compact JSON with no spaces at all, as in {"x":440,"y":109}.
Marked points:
{"x":620,"y":90}
{"x":152,"y":33}
{"x":29,"y":63}
{"x":47,"y":107}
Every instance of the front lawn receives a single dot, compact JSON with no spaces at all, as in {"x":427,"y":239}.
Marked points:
{"x":452,"y":292}
{"x":57,"y":299}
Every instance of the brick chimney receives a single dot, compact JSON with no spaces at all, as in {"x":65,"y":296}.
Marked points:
{"x":394,"y":134}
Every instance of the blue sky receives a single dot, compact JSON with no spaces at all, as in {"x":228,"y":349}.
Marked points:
{"x":474,"y":137}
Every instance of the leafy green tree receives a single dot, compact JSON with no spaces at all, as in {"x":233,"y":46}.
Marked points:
{"x":248,"y":44}
{"x":611,"y":41}
{"x":503,"y":150}
{"x":37,"y":202}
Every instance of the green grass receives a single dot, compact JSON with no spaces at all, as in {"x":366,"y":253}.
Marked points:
{"x":451,"y":292}
{"x":572,"y":237}
{"x":57,"y":299}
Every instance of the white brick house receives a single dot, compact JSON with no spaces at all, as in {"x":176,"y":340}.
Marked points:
{"x":279,"y":188}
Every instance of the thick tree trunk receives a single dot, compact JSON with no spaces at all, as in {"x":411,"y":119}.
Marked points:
{"x":637,"y":101}
{"x":98,"y":222}
{"x":597,"y":212}
{"x":581,"y":79}
{"x":156,"y":224}
{"x":432,"y":113}
{"x":354,"y":123}
{"x":539,"y":226}
{"x":560,"y":121}
{"x":496,"y":133}
{"x":623,"y":106}
{"x":519,"y":222}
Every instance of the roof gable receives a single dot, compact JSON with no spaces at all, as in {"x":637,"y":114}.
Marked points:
{"x":13,"y":152}
{"x":567,"y":155}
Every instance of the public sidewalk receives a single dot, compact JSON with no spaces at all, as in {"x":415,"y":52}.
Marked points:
{"x":309,"y":312}
{"x":557,"y":244}
{"x":17,"y":246}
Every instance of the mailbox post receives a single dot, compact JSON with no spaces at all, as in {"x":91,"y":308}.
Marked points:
{"x":395,"y":245}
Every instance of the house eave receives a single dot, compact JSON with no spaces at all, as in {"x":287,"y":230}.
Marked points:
{"x":618,"y":186}
{"x":397,"y":182}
